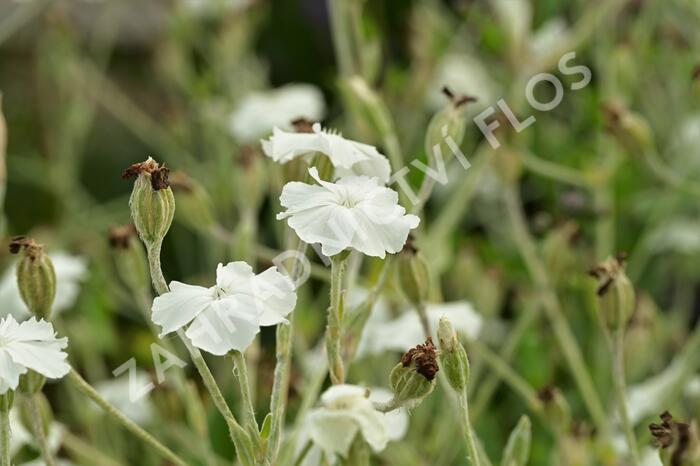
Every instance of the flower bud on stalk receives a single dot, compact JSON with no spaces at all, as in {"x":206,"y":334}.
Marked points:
{"x":413,"y":379}
{"x":152,"y":202}
{"x":631,"y":129}
{"x":447,"y":127}
{"x":517,"y":449}
{"x":413,"y":275}
{"x":193,"y":202}
{"x":615,"y":292}
{"x":453,"y":356}
{"x":556,"y":408}
{"x":129,"y":258}
{"x":36,"y":277}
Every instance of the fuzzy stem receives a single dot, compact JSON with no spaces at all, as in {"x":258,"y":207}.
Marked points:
{"x":423,"y":316}
{"x":127,"y":423}
{"x":241,"y":371}
{"x":472,"y":451}
{"x":157,"y":278}
{"x":335,"y":322}
{"x":39,"y":434}
{"x":5,"y":433}
{"x":618,"y":353}
{"x":552,"y":308}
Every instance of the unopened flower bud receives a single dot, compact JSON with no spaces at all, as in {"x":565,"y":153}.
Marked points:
{"x":413,"y":275}
{"x":615,"y":292}
{"x":631,"y":129}
{"x":678,"y":441}
{"x":413,"y":378}
{"x":446,"y":129}
{"x":152,"y":202}
{"x":36,"y":277}
{"x":129,"y":258}
{"x":194,"y":206}
{"x":453,"y":356}
{"x":555,"y":408}
{"x":517,"y":449}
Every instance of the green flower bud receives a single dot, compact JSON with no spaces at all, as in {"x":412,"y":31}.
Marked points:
{"x":446,"y":129}
{"x":677,"y":441}
{"x":413,"y":379}
{"x":129,"y":258}
{"x":36,"y":277}
{"x":453,"y":356}
{"x":194,"y":206}
{"x":517,"y":449}
{"x":152,"y":202}
{"x":630,"y":129}
{"x":615,"y":292}
{"x":413,"y":276}
{"x":555,"y":407}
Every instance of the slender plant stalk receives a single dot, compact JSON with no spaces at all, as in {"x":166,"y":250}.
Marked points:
{"x":127,"y":423}
{"x":423,"y":316}
{"x":335,"y":322}
{"x":83,"y":450}
{"x":472,"y":450}
{"x":241,"y":371}
{"x":38,"y":428}
{"x":553,"y":310}
{"x":341,"y":36}
{"x":616,"y":341}
{"x":5,"y":432}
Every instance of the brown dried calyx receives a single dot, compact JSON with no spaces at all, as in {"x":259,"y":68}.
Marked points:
{"x":120,"y":236}
{"x":31,"y":247}
{"x":607,"y":271}
{"x":669,"y":431}
{"x":158,"y":173}
{"x":424,"y":359}
{"x":457,"y":99}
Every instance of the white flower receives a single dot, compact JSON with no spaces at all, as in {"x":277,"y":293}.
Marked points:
{"x":382,"y":334}
{"x":356,"y":212}
{"x":70,"y":272}
{"x":119,"y":393}
{"x":259,"y":112}
{"x":345,"y":412}
{"x":228,"y":315}
{"x":646,"y":398}
{"x":30,"y":345}
{"x":347,"y":156}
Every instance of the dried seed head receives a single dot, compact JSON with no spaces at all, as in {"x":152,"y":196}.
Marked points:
{"x":423,"y":358}
{"x":677,"y":440}
{"x":36,"y":277}
{"x":457,"y":100}
{"x":152,"y":202}
{"x":413,"y":378}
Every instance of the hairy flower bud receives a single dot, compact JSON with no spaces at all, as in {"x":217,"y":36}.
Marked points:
{"x":555,"y":407}
{"x":615,"y":292}
{"x":129,"y":258}
{"x":413,"y":378}
{"x":152,"y":202}
{"x":446,"y":128}
{"x":413,"y":275}
{"x":517,"y":449}
{"x":453,"y":356}
{"x":36,"y":277}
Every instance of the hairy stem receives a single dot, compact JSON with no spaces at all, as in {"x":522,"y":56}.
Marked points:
{"x":38,"y":428}
{"x":5,"y":433}
{"x":335,"y":322}
{"x":241,"y":371}
{"x":127,"y":423}
{"x":472,"y":451}
{"x":618,"y":353}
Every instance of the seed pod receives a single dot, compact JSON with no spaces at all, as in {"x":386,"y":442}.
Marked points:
{"x":556,"y":409}
{"x":678,"y":441}
{"x":446,"y":128}
{"x":630,"y":129}
{"x":615,"y":292}
{"x":413,"y":275}
{"x":36,"y":277}
{"x":517,"y":449}
{"x":453,"y":356}
{"x":413,"y":378}
{"x":152,"y":203}
{"x":129,"y":258}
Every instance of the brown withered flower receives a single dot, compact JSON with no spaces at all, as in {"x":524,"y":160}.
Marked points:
{"x":424,"y":359}
{"x":159,"y":173}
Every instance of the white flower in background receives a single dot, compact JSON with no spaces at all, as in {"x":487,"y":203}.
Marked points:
{"x":549,"y":38}
{"x":209,"y":7}
{"x":681,"y":235}
{"x":261,"y":111}
{"x":646,"y":398}
{"x":383,"y":334}
{"x":396,"y":423}
{"x":70,"y":272}
{"x":119,"y":393}
{"x":346,"y":411}
{"x":228,"y":315}
{"x":515,"y":17}
{"x":356,"y":212}
{"x":347,"y":156}
{"x":28,"y":345}
{"x":463,"y":74}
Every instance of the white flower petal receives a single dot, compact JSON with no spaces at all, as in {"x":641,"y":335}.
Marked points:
{"x":372,"y":425}
{"x":177,"y":307}
{"x":332,"y":431}
{"x":227,"y":324}
{"x":274,"y":295}
{"x":397,"y":420}
{"x":234,"y":277}
{"x":9,"y":372}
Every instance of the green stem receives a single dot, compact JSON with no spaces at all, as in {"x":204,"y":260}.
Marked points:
{"x":472,"y":451}
{"x":553,"y":310}
{"x":38,"y":428}
{"x":5,"y":432}
{"x":127,"y":423}
{"x":423,"y":316}
{"x":335,"y":321}
{"x":341,"y":37}
{"x":79,"y":449}
{"x":280,"y":387}
{"x":241,"y":371}
{"x":618,"y":353}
